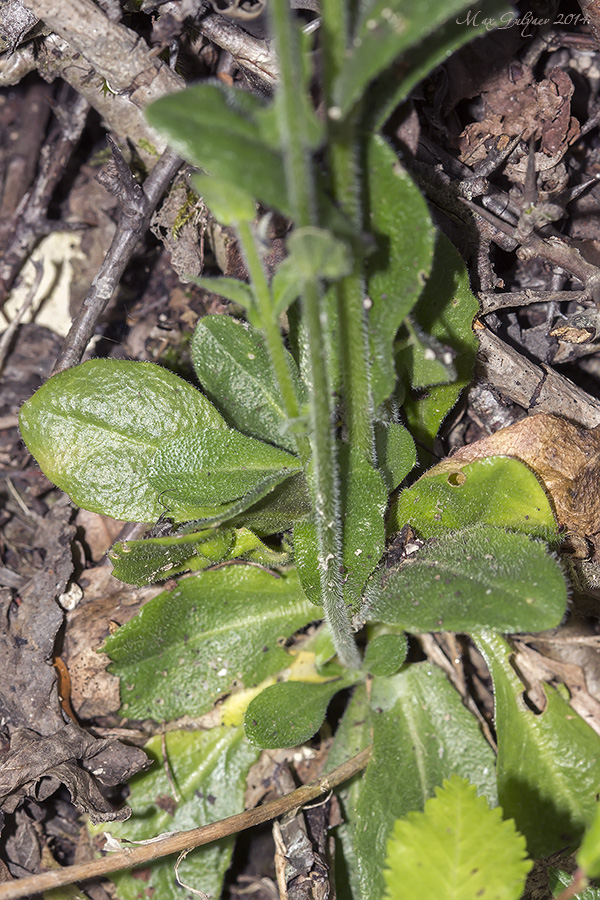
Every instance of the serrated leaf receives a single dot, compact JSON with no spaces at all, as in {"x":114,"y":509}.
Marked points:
{"x":215,"y":127}
{"x":445,"y":310}
{"x":385,"y":653}
{"x":404,"y":236}
{"x":233,"y":365}
{"x":208,"y":769}
{"x":94,"y":430}
{"x":289,"y":713}
{"x":229,"y":203}
{"x":473,"y":579}
{"x":200,"y":472}
{"x":457,"y":848}
{"x":548,"y":764}
{"x":363,"y":504}
{"x":213,"y":632}
{"x":155,"y":559}
{"x":385,"y":29}
{"x":396,"y":454}
{"x":494,"y":491}
{"x":421,"y":734}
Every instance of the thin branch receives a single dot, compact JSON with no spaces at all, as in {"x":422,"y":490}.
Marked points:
{"x":135,"y":218}
{"x":251,"y":53}
{"x":186,"y":840}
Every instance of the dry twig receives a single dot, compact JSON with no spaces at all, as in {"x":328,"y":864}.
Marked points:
{"x":186,"y":840}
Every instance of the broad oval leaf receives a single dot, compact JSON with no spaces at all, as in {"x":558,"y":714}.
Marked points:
{"x":498,"y":491}
{"x":94,"y":430}
{"x":548,"y":764}
{"x":385,"y":653}
{"x":444,"y":851}
{"x":213,"y":633}
{"x":473,"y":579}
{"x":201,"y":472}
{"x":198,"y":777}
{"x":397,"y":270}
{"x":396,"y":453}
{"x":289,"y":713}
{"x":234,"y":367}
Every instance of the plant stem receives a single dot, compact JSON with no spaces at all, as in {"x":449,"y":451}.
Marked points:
{"x":324,"y":465}
{"x":272,"y":332}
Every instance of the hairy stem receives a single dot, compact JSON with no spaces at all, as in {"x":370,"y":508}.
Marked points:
{"x":324,"y":480}
{"x":272,"y":332}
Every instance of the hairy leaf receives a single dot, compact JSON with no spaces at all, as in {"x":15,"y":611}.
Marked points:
{"x":234,"y":368}
{"x":493,"y":491}
{"x":397,"y":270}
{"x":201,"y":780}
{"x":386,"y":29}
{"x":445,"y":310}
{"x":216,"y":128}
{"x":95,"y":429}
{"x":470,"y":580}
{"x":385,"y":653}
{"x":230,"y":288}
{"x":228,"y":203}
{"x":457,"y":848}
{"x":289,"y":713}
{"x":588,"y":857}
{"x":421,"y":734}
{"x":396,"y":454}
{"x":212,"y":633}
{"x":200,"y":472}
{"x":548,"y":764}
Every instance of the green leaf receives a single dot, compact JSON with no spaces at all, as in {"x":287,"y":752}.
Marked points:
{"x":494,"y":491}
{"x":213,"y":633}
{"x":306,"y":559}
{"x":234,"y":368}
{"x":422,"y":359}
{"x":457,"y":848}
{"x":202,"y":471}
{"x":94,"y":430}
{"x":469,"y":580}
{"x":386,"y":93}
{"x":397,"y":270}
{"x":588,"y":857}
{"x":154,"y":559}
{"x":228,"y":203}
{"x":208,"y":769}
{"x":396,"y":454}
{"x":279,"y":510}
{"x":188,"y":549}
{"x":548,"y":764}
{"x":363,"y":504}
{"x":559,"y":880}
{"x":230,"y":288}
{"x":316,"y":253}
{"x":289,"y":713}
{"x":422,"y":734}
{"x":385,"y":653}
{"x":386,"y":29}
{"x":216,"y":128}
{"x":445,"y":310}
{"x":285,"y":286}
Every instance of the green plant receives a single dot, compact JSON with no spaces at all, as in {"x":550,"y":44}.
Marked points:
{"x":311,"y":436}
